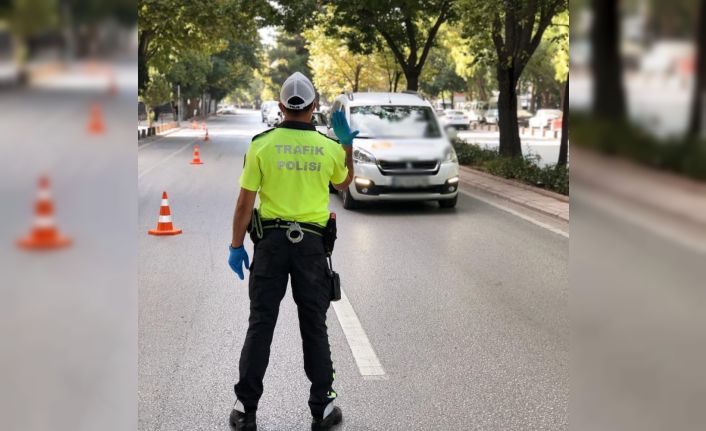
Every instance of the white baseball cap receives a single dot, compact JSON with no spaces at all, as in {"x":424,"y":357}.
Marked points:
{"x":297,"y":92}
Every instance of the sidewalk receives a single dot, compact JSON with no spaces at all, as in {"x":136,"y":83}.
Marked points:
{"x":544,"y":201}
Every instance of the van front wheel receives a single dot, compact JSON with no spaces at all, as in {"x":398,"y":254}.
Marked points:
{"x":348,"y":202}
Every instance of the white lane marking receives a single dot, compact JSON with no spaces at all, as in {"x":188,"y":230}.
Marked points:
{"x":148,"y":170}
{"x":516,"y":213}
{"x":368,"y":364}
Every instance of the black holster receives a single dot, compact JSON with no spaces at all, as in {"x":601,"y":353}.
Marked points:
{"x":255,"y":227}
{"x":329,"y":242}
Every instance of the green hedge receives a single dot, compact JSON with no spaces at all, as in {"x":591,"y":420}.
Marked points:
{"x":525,"y":169}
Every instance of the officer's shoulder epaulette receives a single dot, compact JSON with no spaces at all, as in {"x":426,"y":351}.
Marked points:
{"x":262,"y":134}
{"x":327,"y":137}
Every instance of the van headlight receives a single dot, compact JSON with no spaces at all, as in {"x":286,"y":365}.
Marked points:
{"x":450,"y":156}
{"x":362,"y":156}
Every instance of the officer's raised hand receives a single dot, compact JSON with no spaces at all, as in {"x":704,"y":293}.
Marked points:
{"x":238,"y":257}
{"x":342,"y":129}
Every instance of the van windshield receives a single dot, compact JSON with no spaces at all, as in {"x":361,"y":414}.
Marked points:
{"x":391,"y":121}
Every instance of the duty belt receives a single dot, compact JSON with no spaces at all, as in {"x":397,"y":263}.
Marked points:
{"x":295,"y":230}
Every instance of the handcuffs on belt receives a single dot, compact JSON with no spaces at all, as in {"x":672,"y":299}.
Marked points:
{"x":294,"y":227}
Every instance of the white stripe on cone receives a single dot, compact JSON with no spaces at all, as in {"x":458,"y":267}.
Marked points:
{"x":165,"y":219}
{"x":44,"y":194}
{"x":44,"y":221}
{"x":165,"y":202}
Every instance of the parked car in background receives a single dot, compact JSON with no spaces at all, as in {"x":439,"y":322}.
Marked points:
{"x":491,"y":116}
{"x":226,"y":110}
{"x":266,"y":107}
{"x":475,"y":110}
{"x":455,"y":118}
{"x":319,"y":121}
{"x":544,"y":117}
{"x":274,"y":117}
{"x":402,"y":151}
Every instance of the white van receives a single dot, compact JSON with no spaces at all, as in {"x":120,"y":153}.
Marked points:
{"x":402,"y":151}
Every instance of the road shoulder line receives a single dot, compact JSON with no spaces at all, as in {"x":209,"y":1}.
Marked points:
{"x":515,"y":213}
{"x":365,"y":358}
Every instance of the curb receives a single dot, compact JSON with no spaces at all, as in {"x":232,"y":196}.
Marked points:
{"x":541,"y":191}
{"x":524,"y":203}
{"x":152,"y":138}
{"x":156,"y":130}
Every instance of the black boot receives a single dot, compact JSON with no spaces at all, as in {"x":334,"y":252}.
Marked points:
{"x":243,"y":421}
{"x":333,"y":418}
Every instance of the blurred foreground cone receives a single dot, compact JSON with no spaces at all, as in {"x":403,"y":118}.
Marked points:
{"x":164,"y":223}
{"x":44,"y":234}
{"x":95,"y":120}
{"x":197,"y":158}
{"x":194,"y":125}
{"x":205,"y":137}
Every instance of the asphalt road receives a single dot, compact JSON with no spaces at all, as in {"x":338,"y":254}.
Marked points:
{"x":466,"y":309}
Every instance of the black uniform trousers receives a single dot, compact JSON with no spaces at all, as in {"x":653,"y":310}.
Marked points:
{"x":274,"y":260}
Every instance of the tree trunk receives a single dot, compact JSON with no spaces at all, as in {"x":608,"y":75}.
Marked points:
{"x":398,"y":75}
{"x":696,"y":119}
{"x":142,"y":70}
{"x":608,"y":92}
{"x":533,"y":97}
{"x":482,"y":92}
{"x":564,"y":145}
{"x":412,"y":76}
{"x":510,"y":144}
{"x":356,"y":78}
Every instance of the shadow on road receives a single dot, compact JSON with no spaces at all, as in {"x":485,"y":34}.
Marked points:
{"x":397,"y":208}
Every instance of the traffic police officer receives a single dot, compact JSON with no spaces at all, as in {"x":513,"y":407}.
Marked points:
{"x":291,"y":167}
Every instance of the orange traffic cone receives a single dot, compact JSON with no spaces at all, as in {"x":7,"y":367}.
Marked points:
{"x":44,"y":234}
{"x":197,"y":159}
{"x":95,"y":120}
{"x":164,"y":223}
{"x":205,"y":138}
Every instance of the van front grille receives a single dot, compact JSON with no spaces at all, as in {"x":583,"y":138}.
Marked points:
{"x":416,"y":167}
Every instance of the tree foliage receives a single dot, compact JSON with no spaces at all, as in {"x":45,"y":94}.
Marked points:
{"x":336,"y":68}
{"x":169,"y":28}
{"x":515,"y":29}
{"x":289,"y":55}
{"x":439,"y":76}
{"x":407,"y":28}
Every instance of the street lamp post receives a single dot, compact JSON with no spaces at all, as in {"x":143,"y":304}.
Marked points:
{"x":179,"y":104}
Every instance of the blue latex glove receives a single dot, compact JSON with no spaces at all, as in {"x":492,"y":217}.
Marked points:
{"x":342,"y":129}
{"x":237,"y":257}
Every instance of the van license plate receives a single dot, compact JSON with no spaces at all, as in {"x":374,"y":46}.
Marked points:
{"x":410,"y":181}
